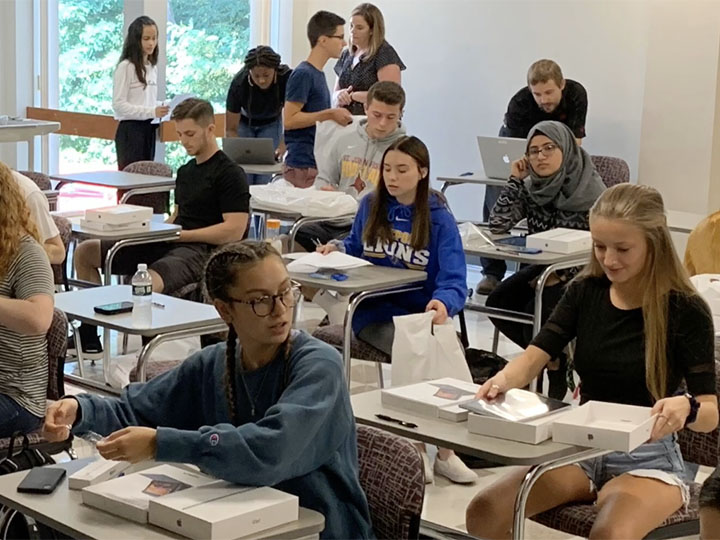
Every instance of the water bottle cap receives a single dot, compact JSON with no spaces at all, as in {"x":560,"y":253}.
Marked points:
{"x":142,"y":267}
{"x":273,"y":224}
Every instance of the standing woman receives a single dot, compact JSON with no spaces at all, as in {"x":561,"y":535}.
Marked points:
{"x":135,"y":94}
{"x":367,"y":60}
{"x":256,"y":99}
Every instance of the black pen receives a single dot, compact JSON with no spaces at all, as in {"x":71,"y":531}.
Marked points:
{"x":403,"y":423}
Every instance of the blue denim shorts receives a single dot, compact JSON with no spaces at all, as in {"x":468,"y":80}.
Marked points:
{"x":660,"y":460}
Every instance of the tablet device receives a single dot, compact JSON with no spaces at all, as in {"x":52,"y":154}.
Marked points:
{"x":516,"y":405}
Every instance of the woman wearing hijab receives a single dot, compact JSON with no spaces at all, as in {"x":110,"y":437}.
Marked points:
{"x":553,"y":185}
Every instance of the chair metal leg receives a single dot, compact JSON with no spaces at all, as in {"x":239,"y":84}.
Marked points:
{"x":125,"y":343}
{"x":381,"y":379}
{"x":496,"y":340}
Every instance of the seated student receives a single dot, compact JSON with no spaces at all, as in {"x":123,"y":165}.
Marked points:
{"x":26,"y":312}
{"x":353,"y":161}
{"x":268,"y":408}
{"x":547,"y":96}
{"x":404,"y":225}
{"x":255,"y":101}
{"x":212,"y":204}
{"x":40,"y":213}
{"x":307,"y":98}
{"x":709,"y":504}
{"x":640,"y":329}
{"x":702,"y":253}
{"x":553,"y":186}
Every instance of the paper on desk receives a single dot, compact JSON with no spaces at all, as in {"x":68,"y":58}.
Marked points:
{"x":174,"y":102}
{"x":312,"y":262}
{"x":471,"y":234}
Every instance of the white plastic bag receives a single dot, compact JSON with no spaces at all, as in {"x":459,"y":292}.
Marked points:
{"x":306,"y":202}
{"x":423,"y":351}
{"x":708,"y":285}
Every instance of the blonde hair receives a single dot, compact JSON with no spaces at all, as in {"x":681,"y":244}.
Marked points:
{"x":543,"y":71}
{"x":662,"y":274}
{"x":374,"y":19}
{"x":15,"y":220}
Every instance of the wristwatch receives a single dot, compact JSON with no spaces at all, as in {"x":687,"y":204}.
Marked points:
{"x":694,"y":408}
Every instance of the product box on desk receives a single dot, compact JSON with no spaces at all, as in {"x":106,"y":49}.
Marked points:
{"x":98,"y":471}
{"x":560,"y":241}
{"x":608,"y":426}
{"x":103,"y":226}
{"x":120,"y":214}
{"x":429,"y":398}
{"x":531,"y":431}
{"x":222,"y":510}
{"x":130,"y":495}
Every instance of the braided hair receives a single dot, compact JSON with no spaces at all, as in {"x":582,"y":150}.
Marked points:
{"x":261,"y":56}
{"x":221,"y":271}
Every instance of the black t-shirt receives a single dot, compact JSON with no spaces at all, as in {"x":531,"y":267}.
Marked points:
{"x":257,"y":106}
{"x":364,"y":74}
{"x":523,"y":112}
{"x":206,"y":191}
{"x":610,"y":350}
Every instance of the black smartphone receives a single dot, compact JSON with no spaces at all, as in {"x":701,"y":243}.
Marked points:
{"x":114,"y":309}
{"x":41,"y":480}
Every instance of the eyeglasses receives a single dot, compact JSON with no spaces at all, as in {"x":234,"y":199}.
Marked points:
{"x":546,"y":149}
{"x":265,"y":305}
{"x":337,"y":37}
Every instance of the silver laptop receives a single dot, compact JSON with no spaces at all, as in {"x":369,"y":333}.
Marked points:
{"x":497,"y":153}
{"x":249,"y":150}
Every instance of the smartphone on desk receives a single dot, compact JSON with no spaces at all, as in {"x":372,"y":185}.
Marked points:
{"x":518,"y":250}
{"x":114,"y":309}
{"x":42,"y":480}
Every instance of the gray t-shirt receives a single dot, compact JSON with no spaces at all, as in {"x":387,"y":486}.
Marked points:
{"x":23,"y":358}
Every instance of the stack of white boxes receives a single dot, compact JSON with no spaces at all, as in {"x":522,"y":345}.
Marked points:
{"x":120,"y":218}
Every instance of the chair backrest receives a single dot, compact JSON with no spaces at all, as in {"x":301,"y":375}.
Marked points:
{"x":152,"y":168}
{"x":393,"y":478}
{"x":57,"y":349}
{"x":41,"y":179}
{"x":612,"y":170}
{"x":65,"y":228}
{"x":160,"y":202}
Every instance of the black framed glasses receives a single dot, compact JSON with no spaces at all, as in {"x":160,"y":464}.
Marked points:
{"x":265,"y":305}
{"x":337,"y":37}
{"x":547,"y":150}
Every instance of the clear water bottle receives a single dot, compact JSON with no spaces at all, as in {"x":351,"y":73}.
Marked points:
{"x":142,"y":297}
{"x":272,"y":226}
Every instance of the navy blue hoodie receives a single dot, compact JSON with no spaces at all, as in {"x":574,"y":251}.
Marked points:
{"x":302,"y":440}
{"x":443,"y":260}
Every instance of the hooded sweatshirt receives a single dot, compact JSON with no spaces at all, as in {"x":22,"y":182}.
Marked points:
{"x":302,"y":439}
{"x":352,"y":164}
{"x":446,"y":281}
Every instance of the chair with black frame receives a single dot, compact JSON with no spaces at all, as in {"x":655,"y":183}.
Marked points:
{"x":160,"y":201}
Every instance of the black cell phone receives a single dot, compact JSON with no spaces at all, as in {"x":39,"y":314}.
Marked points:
{"x":114,"y":309}
{"x":41,"y":480}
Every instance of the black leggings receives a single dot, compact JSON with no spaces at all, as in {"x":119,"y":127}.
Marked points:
{"x":134,"y":141}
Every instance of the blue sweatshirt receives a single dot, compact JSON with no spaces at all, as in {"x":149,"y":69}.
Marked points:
{"x":443,"y":260}
{"x":302,"y":440}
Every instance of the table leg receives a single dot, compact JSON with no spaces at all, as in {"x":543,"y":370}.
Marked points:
{"x":31,"y":153}
{"x":532,"y":476}
{"x":444,"y":187}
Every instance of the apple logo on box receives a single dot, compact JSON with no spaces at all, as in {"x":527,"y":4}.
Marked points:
{"x":506,"y":159}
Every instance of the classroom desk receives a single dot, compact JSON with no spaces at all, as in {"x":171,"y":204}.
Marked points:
{"x":474,"y":178}
{"x":26,"y":129}
{"x":130,"y":183}
{"x":64,"y":511}
{"x":541,"y":457}
{"x":255,"y":168}
{"x":365,"y":282}
{"x":177,"y":319}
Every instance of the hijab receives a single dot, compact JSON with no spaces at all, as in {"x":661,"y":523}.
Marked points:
{"x":576,"y":185}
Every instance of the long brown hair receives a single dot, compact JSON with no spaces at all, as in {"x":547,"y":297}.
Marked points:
{"x":375,"y":21}
{"x":663,"y":273}
{"x":378,"y":227}
{"x":15,"y":219}
{"x":132,"y":48}
{"x":221,"y":271}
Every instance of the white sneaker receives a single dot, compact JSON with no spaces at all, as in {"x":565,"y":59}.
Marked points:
{"x":429,"y":476}
{"x":455,"y":470}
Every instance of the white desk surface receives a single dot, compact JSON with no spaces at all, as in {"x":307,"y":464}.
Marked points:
{"x":178,"y":314}
{"x":365,"y":278}
{"x":156,"y":229}
{"x":475,"y":178}
{"x":454,"y":435}
{"x":26,"y":128}
{"x":63,"y":510}
{"x":118,"y":179}
{"x":544,"y":257}
{"x":683,"y":221}
{"x":256,"y":168}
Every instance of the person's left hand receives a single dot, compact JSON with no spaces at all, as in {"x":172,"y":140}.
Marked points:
{"x":133,"y":444}
{"x":672,"y":413}
{"x":441,"y":314}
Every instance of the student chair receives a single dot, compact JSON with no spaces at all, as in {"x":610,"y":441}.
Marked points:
{"x":42,"y":180}
{"x":60,"y":270}
{"x":393,"y":479}
{"x":699,"y":448}
{"x":612,"y":170}
{"x":159,"y":201}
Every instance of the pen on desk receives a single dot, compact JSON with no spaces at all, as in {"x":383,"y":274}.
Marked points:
{"x":403,"y":423}
{"x":158,"y":305}
{"x":317,"y":242}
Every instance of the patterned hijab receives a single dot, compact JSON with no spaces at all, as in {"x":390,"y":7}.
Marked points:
{"x":576,"y":185}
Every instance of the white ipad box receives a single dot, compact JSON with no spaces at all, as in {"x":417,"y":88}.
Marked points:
{"x":223,"y":511}
{"x":560,"y":240}
{"x":120,"y":214}
{"x":129,"y":496}
{"x":608,"y":426}
{"x":430,"y":397}
{"x":530,"y":431}
{"x":104,"y":226}
{"x":98,"y":471}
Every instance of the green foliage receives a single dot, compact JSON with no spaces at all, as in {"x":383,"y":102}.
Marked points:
{"x":207,"y":40}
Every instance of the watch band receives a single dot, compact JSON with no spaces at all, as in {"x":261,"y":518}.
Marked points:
{"x":694,"y":408}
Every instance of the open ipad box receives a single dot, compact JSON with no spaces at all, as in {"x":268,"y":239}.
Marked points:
{"x":222,"y":510}
{"x":560,"y":240}
{"x":607,"y":426}
{"x":438,"y":398}
{"x":530,"y":431}
{"x":98,"y":471}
